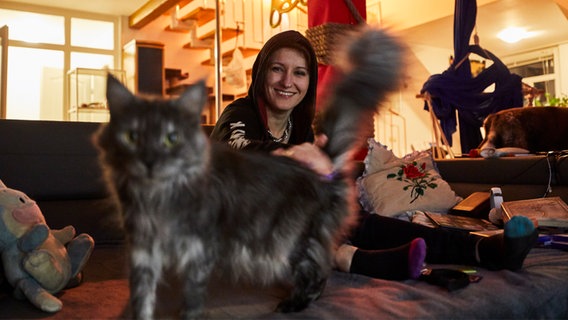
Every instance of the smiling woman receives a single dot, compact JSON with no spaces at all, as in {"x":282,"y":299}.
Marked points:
{"x":280,"y":105}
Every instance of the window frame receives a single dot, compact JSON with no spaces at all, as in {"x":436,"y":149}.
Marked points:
{"x":527,"y":58}
{"x":67,"y":48}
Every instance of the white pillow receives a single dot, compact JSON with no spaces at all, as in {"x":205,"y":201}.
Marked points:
{"x":391,"y":186}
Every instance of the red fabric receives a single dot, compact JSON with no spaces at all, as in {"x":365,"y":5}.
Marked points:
{"x":320,"y":12}
{"x":361,"y":154}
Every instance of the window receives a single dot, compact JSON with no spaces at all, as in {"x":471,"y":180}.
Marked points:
{"x":538,"y":71}
{"x":31,"y":27}
{"x":91,"y":60}
{"x":44,"y":45}
{"x":92,"y":33}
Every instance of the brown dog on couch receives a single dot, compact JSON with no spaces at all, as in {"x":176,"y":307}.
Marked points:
{"x":536,"y":129}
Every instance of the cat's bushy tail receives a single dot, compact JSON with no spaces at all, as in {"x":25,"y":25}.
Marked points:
{"x":371,"y":62}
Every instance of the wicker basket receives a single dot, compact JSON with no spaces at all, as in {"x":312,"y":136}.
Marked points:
{"x":324,"y":37}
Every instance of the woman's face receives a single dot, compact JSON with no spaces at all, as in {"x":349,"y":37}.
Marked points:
{"x":287,"y":79}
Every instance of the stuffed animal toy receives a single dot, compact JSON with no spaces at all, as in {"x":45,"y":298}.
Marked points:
{"x":38,"y":262}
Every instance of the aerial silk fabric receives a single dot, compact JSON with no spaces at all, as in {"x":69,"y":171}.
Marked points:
{"x":456,"y":91}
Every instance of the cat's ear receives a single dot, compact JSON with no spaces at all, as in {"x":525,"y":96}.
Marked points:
{"x":117,"y":94}
{"x":193,"y":98}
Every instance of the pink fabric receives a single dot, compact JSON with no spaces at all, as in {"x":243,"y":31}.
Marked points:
{"x":28,"y":215}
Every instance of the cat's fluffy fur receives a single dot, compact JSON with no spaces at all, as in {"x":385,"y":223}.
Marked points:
{"x":190,"y":205}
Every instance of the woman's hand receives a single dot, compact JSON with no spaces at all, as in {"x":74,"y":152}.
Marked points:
{"x":310,"y":155}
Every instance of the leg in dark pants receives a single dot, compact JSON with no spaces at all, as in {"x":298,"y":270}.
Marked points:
{"x":444,"y":246}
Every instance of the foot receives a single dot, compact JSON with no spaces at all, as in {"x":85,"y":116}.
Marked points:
{"x":509,"y":249}
{"x":520,"y":237}
{"x":416,"y":257}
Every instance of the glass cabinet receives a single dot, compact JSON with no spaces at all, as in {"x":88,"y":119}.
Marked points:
{"x":87,"y":94}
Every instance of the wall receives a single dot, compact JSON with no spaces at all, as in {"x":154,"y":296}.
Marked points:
{"x":563,"y":68}
{"x":412,"y":128}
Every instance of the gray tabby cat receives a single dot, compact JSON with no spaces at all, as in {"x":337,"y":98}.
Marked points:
{"x":190,"y":205}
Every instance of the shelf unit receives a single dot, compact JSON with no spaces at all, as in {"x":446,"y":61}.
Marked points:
{"x":87,"y":94}
{"x":143,"y":62}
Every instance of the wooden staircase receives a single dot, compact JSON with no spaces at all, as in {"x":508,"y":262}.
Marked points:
{"x":199,"y":23}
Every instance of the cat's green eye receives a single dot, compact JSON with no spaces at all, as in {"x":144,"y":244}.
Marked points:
{"x":130,"y":137}
{"x":171,"y":139}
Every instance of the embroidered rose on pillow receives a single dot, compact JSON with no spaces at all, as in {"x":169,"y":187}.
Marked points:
{"x":392,"y":186}
{"x":417,"y":178}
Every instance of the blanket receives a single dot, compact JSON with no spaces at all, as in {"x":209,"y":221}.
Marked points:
{"x":539,"y":290}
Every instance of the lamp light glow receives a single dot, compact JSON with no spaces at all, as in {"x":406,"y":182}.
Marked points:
{"x":514,"y":34}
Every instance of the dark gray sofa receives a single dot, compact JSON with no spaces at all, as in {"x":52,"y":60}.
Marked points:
{"x":523,"y":177}
{"x":56,"y":164}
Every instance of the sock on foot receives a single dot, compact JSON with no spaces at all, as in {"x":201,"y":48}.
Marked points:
{"x":416,"y":257}
{"x":509,"y":249}
{"x":391,"y":264}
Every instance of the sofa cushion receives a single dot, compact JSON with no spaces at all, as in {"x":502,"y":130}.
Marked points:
{"x":507,"y":170}
{"x":523,"y":177}
{"x":391,"y":186}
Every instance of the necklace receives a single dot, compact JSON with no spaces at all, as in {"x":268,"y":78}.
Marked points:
{"x":285,"y":136}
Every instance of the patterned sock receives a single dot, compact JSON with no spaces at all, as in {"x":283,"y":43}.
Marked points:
{"x":398,"y":263}
{"x":509,"y":249}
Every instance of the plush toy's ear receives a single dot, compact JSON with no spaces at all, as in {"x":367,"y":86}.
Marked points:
{"x":2,"y":185}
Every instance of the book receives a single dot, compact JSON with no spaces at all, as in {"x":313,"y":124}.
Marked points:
{"x":460,"y":222}
{"x":487,"y":233}
{"x":548,"y":212}
{"x":475,"y":205}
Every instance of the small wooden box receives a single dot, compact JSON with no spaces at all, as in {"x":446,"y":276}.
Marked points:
{"x":476,"y":206}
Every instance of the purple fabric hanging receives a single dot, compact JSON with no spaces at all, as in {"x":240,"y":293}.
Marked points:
{"x":456,"y":90}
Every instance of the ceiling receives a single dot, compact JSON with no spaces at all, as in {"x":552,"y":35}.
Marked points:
{"x":112,"y":7}
{"x":428,"y":23}
{"x":545,"y":18}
